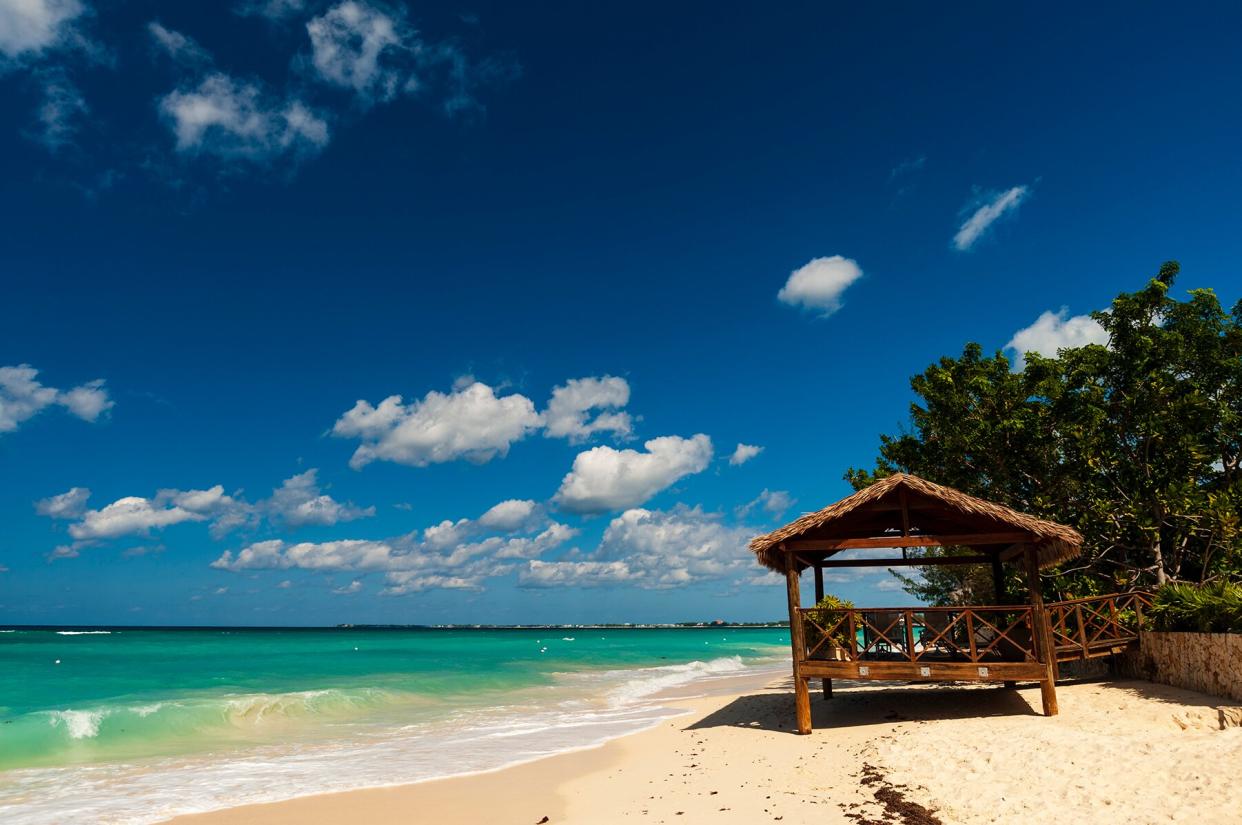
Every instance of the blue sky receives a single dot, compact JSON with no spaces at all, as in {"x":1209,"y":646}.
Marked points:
{"x":584,"y":252}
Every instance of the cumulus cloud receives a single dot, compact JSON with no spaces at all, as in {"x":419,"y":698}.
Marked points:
{"x":820,"y":284}
{"x":22,"y":397}
{"x":31,"y":26}
{"x":453,"y":555}
{"x":604,"y":479}
{"x":353,"y":587}
{"x":471,"y":422}
{"x":233,"y":119}
{"x":992,"y":209}
{"x":744,"y":453}
{"x":1055,"y":331}
{"x":298,"y":502}
{"x":509,"y":515}
{"x":651,"y":549}
{"x":70,"y":504}
{"x":131,"y":515}
{"x":568,"y":412}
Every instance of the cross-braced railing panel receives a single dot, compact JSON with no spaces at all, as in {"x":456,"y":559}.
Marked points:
{"x":1097,"y":622}
{"x":925,"y":634}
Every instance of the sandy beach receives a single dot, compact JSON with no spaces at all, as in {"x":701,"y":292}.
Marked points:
{"x":1123,"y":751}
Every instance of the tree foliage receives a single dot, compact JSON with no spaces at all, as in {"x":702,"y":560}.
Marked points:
{"x":1136,"y":444}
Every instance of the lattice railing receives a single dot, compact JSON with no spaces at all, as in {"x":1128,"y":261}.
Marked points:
{"x":1084,"y":625}
{"x":920,"y":634}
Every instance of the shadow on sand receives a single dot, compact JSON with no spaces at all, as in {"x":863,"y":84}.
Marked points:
{"x":868,"y":703}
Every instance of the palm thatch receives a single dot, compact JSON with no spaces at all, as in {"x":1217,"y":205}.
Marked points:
{"x":942,"y":510}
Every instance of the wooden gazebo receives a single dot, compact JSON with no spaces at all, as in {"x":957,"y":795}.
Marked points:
{"x":1000,"y":642}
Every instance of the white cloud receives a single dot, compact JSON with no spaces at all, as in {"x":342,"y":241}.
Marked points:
{"x":509,"y":515}
{"x":568,"y":410}
{"x":353,"y":587}
{"x":22,"y":397}
{"x":470,"y":422}
{"x":774,"y":502}
{"x":88,"y":401}
{"x":284,"y":585}
{"x":991,"y":210}
{"x":575,"y":573}
{"x":820,"y":283}
{"x":652,"y":549}
{"x":298,"y":502}
{"x":183,"y":49}
{"x":131,"y":515}
{"x":604,"y":479}
{"x":356,"y":46}
{"x":1055,"y":331}
{"x":744,"y":453}
{"x":70,"y":504}
{"x":452,"y":555}
{"x":238,"y":120}
{"x":31,"y":26}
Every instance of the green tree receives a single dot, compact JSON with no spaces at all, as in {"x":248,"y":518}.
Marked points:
{"x":1136,"y":444}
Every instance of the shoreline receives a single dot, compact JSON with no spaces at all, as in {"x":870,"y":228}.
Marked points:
{"x":1120,"y":751}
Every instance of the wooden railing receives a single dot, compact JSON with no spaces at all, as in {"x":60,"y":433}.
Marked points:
{"x":921,"y":634}
{"x":1091,"y":626}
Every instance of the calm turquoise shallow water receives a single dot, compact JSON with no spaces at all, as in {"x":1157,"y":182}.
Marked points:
{"x":135,"y":725}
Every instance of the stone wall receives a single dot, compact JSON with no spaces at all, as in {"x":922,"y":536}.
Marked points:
{"x":1207,"y":662}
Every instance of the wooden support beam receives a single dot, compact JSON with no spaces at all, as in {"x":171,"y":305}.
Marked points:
{"x":998,"y":580}
{"x":880,"y":542}
{"x":819,"y":597}
{"x":797,"y":638}
{"x":931,"y":561}
{"x":1043,"y":633}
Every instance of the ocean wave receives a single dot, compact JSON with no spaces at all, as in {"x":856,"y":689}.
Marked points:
{"x":267,"y":748}
{"x":83,"y":632}
{"x":80,"y":724}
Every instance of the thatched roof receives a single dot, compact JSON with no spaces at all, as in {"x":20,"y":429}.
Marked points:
{"x":933,"y":510}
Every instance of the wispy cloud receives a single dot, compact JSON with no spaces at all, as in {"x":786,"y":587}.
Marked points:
{"x":989,"y":211}
{"x":907,"y":167}
{"x":743,"y":453}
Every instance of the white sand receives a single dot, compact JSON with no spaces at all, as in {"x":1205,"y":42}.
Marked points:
{"x":975,"y":754}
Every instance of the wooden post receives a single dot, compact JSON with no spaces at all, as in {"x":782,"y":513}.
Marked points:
{"x":819,"y":597}
{"x":1042,"y":632}
{"x":802,"y":694}
{"x":998,"y":580}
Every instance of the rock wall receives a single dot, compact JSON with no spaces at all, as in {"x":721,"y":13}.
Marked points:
{"x":1207,"y":662}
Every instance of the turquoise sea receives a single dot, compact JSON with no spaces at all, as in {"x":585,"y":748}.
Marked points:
{"x":130,"y":725}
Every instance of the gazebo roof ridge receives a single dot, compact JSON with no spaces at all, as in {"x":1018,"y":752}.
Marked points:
{"x":1055,"y":542}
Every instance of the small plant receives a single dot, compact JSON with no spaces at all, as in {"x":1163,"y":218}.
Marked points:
{"x":827,"y":612}
{"x":1215,"y":607}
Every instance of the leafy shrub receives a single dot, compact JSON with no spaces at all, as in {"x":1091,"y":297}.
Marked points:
{"x":1208,"y":608}
{"x":824,"y":614}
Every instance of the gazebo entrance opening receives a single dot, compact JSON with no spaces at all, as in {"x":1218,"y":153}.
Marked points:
{"x":1003,"y":642}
